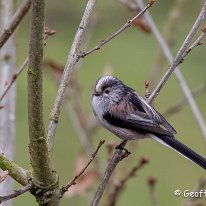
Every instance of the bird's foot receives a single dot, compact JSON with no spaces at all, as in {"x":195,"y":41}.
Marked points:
{"x":121,"y":147}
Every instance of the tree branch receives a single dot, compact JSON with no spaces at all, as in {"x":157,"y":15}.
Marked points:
{"x":13,"y":79}
{"x":21,"y":175}
{"x":43,"y":175}
{"x":73,"y":182}
{"x":169,"y":33}
{"x":15,"y":20}
{"x":47,"y":32}
{"x":116,"y":158}
{"x":124,"y":27}
{"x":69,"y":67}
{"x":176,"y":61}
{"x":152,"y":183}
{"x":119,"y":186}
{"x":198,"y":42}
{"x":17,"y":193}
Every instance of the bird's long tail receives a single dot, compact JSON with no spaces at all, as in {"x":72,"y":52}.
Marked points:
{"x":182,"y":149}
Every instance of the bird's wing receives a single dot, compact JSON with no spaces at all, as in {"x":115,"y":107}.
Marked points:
{"x":139,"y":123}
{"x":154,"y":115}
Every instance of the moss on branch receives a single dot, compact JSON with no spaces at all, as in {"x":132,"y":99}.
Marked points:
{"x":43,"y":175}
{"x":21,"y":175}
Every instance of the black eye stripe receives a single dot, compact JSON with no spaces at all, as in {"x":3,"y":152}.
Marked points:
{"x":104,"y":87}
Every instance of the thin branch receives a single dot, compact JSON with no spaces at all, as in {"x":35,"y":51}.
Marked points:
{"x":15,"y":171}
{"x":73,"y":182}
{"x":43,"y":174}
{"x":169,"y":34}
{"x":178,"y":59}
{"x":183,"y":101}
{"x":16,"y":193}
{"x":75,"y":93}
{"x":198,"y":42}
{"x":47,"y":32}
{"x":14,"y":77}
{"x":124,"y":27}
{"x":175,"y":62}
{"x":116,"y":158}
{"x":117,"y":187}
{"x":69,"y":67}
{"x":152,"y":183}
{"x":15,"y":20}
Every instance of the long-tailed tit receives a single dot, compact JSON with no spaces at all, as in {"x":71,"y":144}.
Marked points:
{"x":127,"y":115}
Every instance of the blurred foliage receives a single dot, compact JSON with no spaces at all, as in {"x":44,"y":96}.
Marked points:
{"x":131,"y":54}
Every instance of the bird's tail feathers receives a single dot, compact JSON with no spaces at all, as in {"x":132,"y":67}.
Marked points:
{"x":182,"y":149}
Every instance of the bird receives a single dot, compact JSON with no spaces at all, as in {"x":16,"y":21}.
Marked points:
{"x":123,"y":112}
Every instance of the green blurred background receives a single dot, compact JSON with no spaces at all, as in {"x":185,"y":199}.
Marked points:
{"x":131,"y":54}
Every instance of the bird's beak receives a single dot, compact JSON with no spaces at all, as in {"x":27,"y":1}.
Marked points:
{"x":95,"y":93}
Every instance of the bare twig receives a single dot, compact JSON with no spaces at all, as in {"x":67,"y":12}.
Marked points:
{"x":196,"y":43}
{"x":175,"y":62}
{"x":47,"y":32}
{"x":16,"y":193}
{"x":73,"y":182}
{"x":169,"y":34}
{"x":69,"y":67}
{"x":183,"y":101}
{"x":117,"y":157}
{"x":15,"y":20}
{"x":117,"y":187}
{"x":13,"y":79}
{"x":125,"y":26}
{"x":75,"y":88}
{"x":151,"y":183}
{"x":178,"y":59}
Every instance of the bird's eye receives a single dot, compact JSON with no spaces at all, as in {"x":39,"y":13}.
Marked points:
{"x":106,"y":91}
